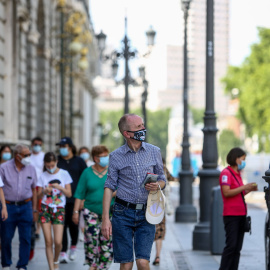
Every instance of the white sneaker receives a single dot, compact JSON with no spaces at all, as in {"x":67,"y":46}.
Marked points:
{"x":81,"y":236}
{"x":6,"y":268}
{"x":72,"y":253}
{"x":63,"y":257}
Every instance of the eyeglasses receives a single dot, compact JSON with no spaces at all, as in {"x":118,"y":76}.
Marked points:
{"x":26,"y":155}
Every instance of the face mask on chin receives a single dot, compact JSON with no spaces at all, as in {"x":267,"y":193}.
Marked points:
{"x":139,"y":135}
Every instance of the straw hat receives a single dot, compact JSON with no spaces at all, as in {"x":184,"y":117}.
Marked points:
{"x":155,"y":207}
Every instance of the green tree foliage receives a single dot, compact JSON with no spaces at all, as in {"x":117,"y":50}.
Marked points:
{"x":157,"y":128}
{"x":252,"y":81}
{"x":227,"y":140}
{"x":197,"y":115}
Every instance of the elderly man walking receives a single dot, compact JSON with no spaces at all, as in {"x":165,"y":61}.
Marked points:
{"x":19,"y":178}
{"x":128,"y":167}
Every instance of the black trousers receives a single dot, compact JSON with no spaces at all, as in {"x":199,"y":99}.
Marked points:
{"x":73,"y":228}
{"x":234,"y":227}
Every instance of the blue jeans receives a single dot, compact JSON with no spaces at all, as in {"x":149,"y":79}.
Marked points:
{"x":20,"y":216}
{"x":130,"y":229}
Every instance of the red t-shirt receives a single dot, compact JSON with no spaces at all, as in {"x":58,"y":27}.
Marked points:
{"x":232,"y":206}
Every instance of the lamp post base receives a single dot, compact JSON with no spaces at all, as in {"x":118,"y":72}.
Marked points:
{"x":201,"y":236}
{"x":186,"y":213}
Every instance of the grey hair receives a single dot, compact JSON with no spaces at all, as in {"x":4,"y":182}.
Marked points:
{"x":123,"y":123}
{"x":19,"y":148}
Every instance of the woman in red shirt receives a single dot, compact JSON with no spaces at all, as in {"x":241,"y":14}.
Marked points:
{"x":234,"y":207}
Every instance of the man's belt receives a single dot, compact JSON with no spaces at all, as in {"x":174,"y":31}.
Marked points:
{"x":20,"y":202}
{"x":135,"y":206}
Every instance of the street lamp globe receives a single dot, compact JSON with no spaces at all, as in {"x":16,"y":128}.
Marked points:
{"x":101,"y":37}
{"x":75,"y":47}
{"x":150,"y":34}
{"x":83,"y":63}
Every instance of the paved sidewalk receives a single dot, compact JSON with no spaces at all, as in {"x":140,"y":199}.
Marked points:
{"x":177,"y":253}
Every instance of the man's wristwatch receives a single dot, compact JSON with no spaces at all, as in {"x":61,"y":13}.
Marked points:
{"x":75,"y":212}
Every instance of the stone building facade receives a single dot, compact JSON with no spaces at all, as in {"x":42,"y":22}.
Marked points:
{"x":45,"y":90}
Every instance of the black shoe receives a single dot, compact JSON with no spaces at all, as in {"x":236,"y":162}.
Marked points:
{"x":37,"y":236}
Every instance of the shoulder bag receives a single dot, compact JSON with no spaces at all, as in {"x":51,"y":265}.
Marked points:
{"x":247,"y":226}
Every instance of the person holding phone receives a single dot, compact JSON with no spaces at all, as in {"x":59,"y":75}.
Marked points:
{"x":54,"y":185}
{"x":234,"y":207}
{"x":128,"y":167}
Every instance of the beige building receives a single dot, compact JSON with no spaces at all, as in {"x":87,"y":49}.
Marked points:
{"x":41,"y":78}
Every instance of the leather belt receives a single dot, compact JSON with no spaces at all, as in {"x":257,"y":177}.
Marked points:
{"x":135,"y":206}
{"x":20,"y":202}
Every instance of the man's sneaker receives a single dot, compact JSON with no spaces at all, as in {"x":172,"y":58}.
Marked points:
{"x":63,"y":257}
{"x":6,"y":268}
{"x":72,"y":253}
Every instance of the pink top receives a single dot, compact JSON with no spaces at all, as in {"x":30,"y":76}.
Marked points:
{"x":232,"y":206}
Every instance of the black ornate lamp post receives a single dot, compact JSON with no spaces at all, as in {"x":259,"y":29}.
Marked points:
{"x":185,"y":212}
{"x":209,"y":174}
{"x":127,"y":54}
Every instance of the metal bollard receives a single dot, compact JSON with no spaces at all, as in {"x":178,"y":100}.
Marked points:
{"x":217,"y":232}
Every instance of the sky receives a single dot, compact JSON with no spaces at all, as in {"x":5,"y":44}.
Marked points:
{"x":166,"y":19}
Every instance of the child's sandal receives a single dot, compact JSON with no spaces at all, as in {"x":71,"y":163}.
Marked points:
{"x":56,"y":264}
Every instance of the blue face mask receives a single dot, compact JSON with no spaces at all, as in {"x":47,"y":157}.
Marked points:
{"x":139,"y":135}
{"x":6,"y":156}
{"x":104,"y":161}
{"x":51,"y":170}
{"x":37,"y":148}
{"x":85,"y":156}
{"x":242,"y":165}
{"x":64,"y":151}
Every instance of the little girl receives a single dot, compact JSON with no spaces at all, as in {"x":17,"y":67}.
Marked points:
{"x":53,"y":188}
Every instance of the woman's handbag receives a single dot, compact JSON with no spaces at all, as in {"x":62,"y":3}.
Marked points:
{"x":247,"y":225}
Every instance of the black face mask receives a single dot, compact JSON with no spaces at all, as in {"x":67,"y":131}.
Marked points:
{"x":139,"y":135}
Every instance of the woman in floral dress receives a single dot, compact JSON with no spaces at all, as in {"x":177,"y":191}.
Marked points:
{"x":53,"y":188}
{"x":98,"y":250}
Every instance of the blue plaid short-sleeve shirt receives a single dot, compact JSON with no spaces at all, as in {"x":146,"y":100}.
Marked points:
{"x":128,"y":169}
